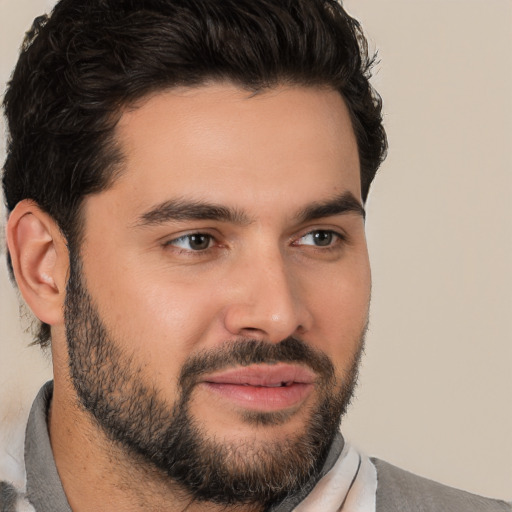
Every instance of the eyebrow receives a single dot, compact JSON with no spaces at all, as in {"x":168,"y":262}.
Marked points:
{"x":341,"y":204}
{"x":184,"y":210}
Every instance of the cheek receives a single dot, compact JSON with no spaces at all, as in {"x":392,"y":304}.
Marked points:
{"x":158,"y":320}
{"x":340,"y":303}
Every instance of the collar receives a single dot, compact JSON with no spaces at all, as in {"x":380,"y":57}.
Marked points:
{"x":44,"y":488}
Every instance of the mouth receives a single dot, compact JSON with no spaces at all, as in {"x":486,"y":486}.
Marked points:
{"x":263,"y":387}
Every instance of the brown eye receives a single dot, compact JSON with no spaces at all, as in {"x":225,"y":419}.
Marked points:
{"x":323,"y":238}
{"x":199,"y":242}
{"x":193,"y":242}
{"x":319,"y":238}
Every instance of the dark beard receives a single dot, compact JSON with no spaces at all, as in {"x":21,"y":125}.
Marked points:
{"x":133,"y":414}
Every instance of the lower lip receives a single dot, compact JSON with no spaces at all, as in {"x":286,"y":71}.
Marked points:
{"x":259,"y":398}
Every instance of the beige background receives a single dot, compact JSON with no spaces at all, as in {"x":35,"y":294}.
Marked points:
{"x":436,"y":385}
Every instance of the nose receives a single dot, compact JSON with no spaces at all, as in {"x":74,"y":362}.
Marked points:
{"x":267,"y":301}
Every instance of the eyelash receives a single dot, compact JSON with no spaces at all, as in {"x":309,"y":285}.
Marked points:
{"x":337,"y":238}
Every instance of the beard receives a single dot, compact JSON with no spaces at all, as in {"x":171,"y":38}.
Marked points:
{"x":132,"y":412}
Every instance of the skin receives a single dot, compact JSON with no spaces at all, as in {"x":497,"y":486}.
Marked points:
{"x":268,"y":156}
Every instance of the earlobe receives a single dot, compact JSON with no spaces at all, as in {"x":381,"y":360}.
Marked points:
{"x":40,"y":260}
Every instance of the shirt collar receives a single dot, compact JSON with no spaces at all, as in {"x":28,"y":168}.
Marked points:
{"x":44,"y":488}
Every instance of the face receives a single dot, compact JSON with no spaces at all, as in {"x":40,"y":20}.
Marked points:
{"x":221,"y":293}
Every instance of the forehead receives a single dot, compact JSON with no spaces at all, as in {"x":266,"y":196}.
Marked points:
{"x":223,"y":143}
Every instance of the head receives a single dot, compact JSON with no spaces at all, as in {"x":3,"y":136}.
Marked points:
{"x":212,"y":153}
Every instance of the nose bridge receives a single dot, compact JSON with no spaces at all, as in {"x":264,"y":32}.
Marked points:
{"x":268,"y":303}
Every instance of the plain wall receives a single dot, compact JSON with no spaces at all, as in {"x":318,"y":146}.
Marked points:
{"x":436,"y":383}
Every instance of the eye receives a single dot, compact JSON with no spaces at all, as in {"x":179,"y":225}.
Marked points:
{"x":192,"y":242}
{"x":319,"y":238}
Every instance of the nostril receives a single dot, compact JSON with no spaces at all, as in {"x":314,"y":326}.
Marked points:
{"x":252,"y":332}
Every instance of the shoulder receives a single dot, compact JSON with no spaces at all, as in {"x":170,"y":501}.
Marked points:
{"x":399,"y":490}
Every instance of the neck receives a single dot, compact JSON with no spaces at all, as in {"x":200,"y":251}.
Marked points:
{"x":83,"y":453}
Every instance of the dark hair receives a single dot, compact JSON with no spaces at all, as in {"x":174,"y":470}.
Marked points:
{"x":90,"y":59}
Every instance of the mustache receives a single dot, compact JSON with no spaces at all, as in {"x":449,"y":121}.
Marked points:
{"x":247,"y":351}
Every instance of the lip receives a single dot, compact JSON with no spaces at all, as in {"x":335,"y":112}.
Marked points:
{"x":263,"y":387}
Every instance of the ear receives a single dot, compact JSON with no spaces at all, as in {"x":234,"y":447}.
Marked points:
{"x":40,"y":260}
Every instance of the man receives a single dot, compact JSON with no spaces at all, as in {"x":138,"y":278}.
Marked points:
{"x":185,"y":184}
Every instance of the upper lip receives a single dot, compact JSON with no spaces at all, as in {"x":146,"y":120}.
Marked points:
{"x":263,"y":375}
